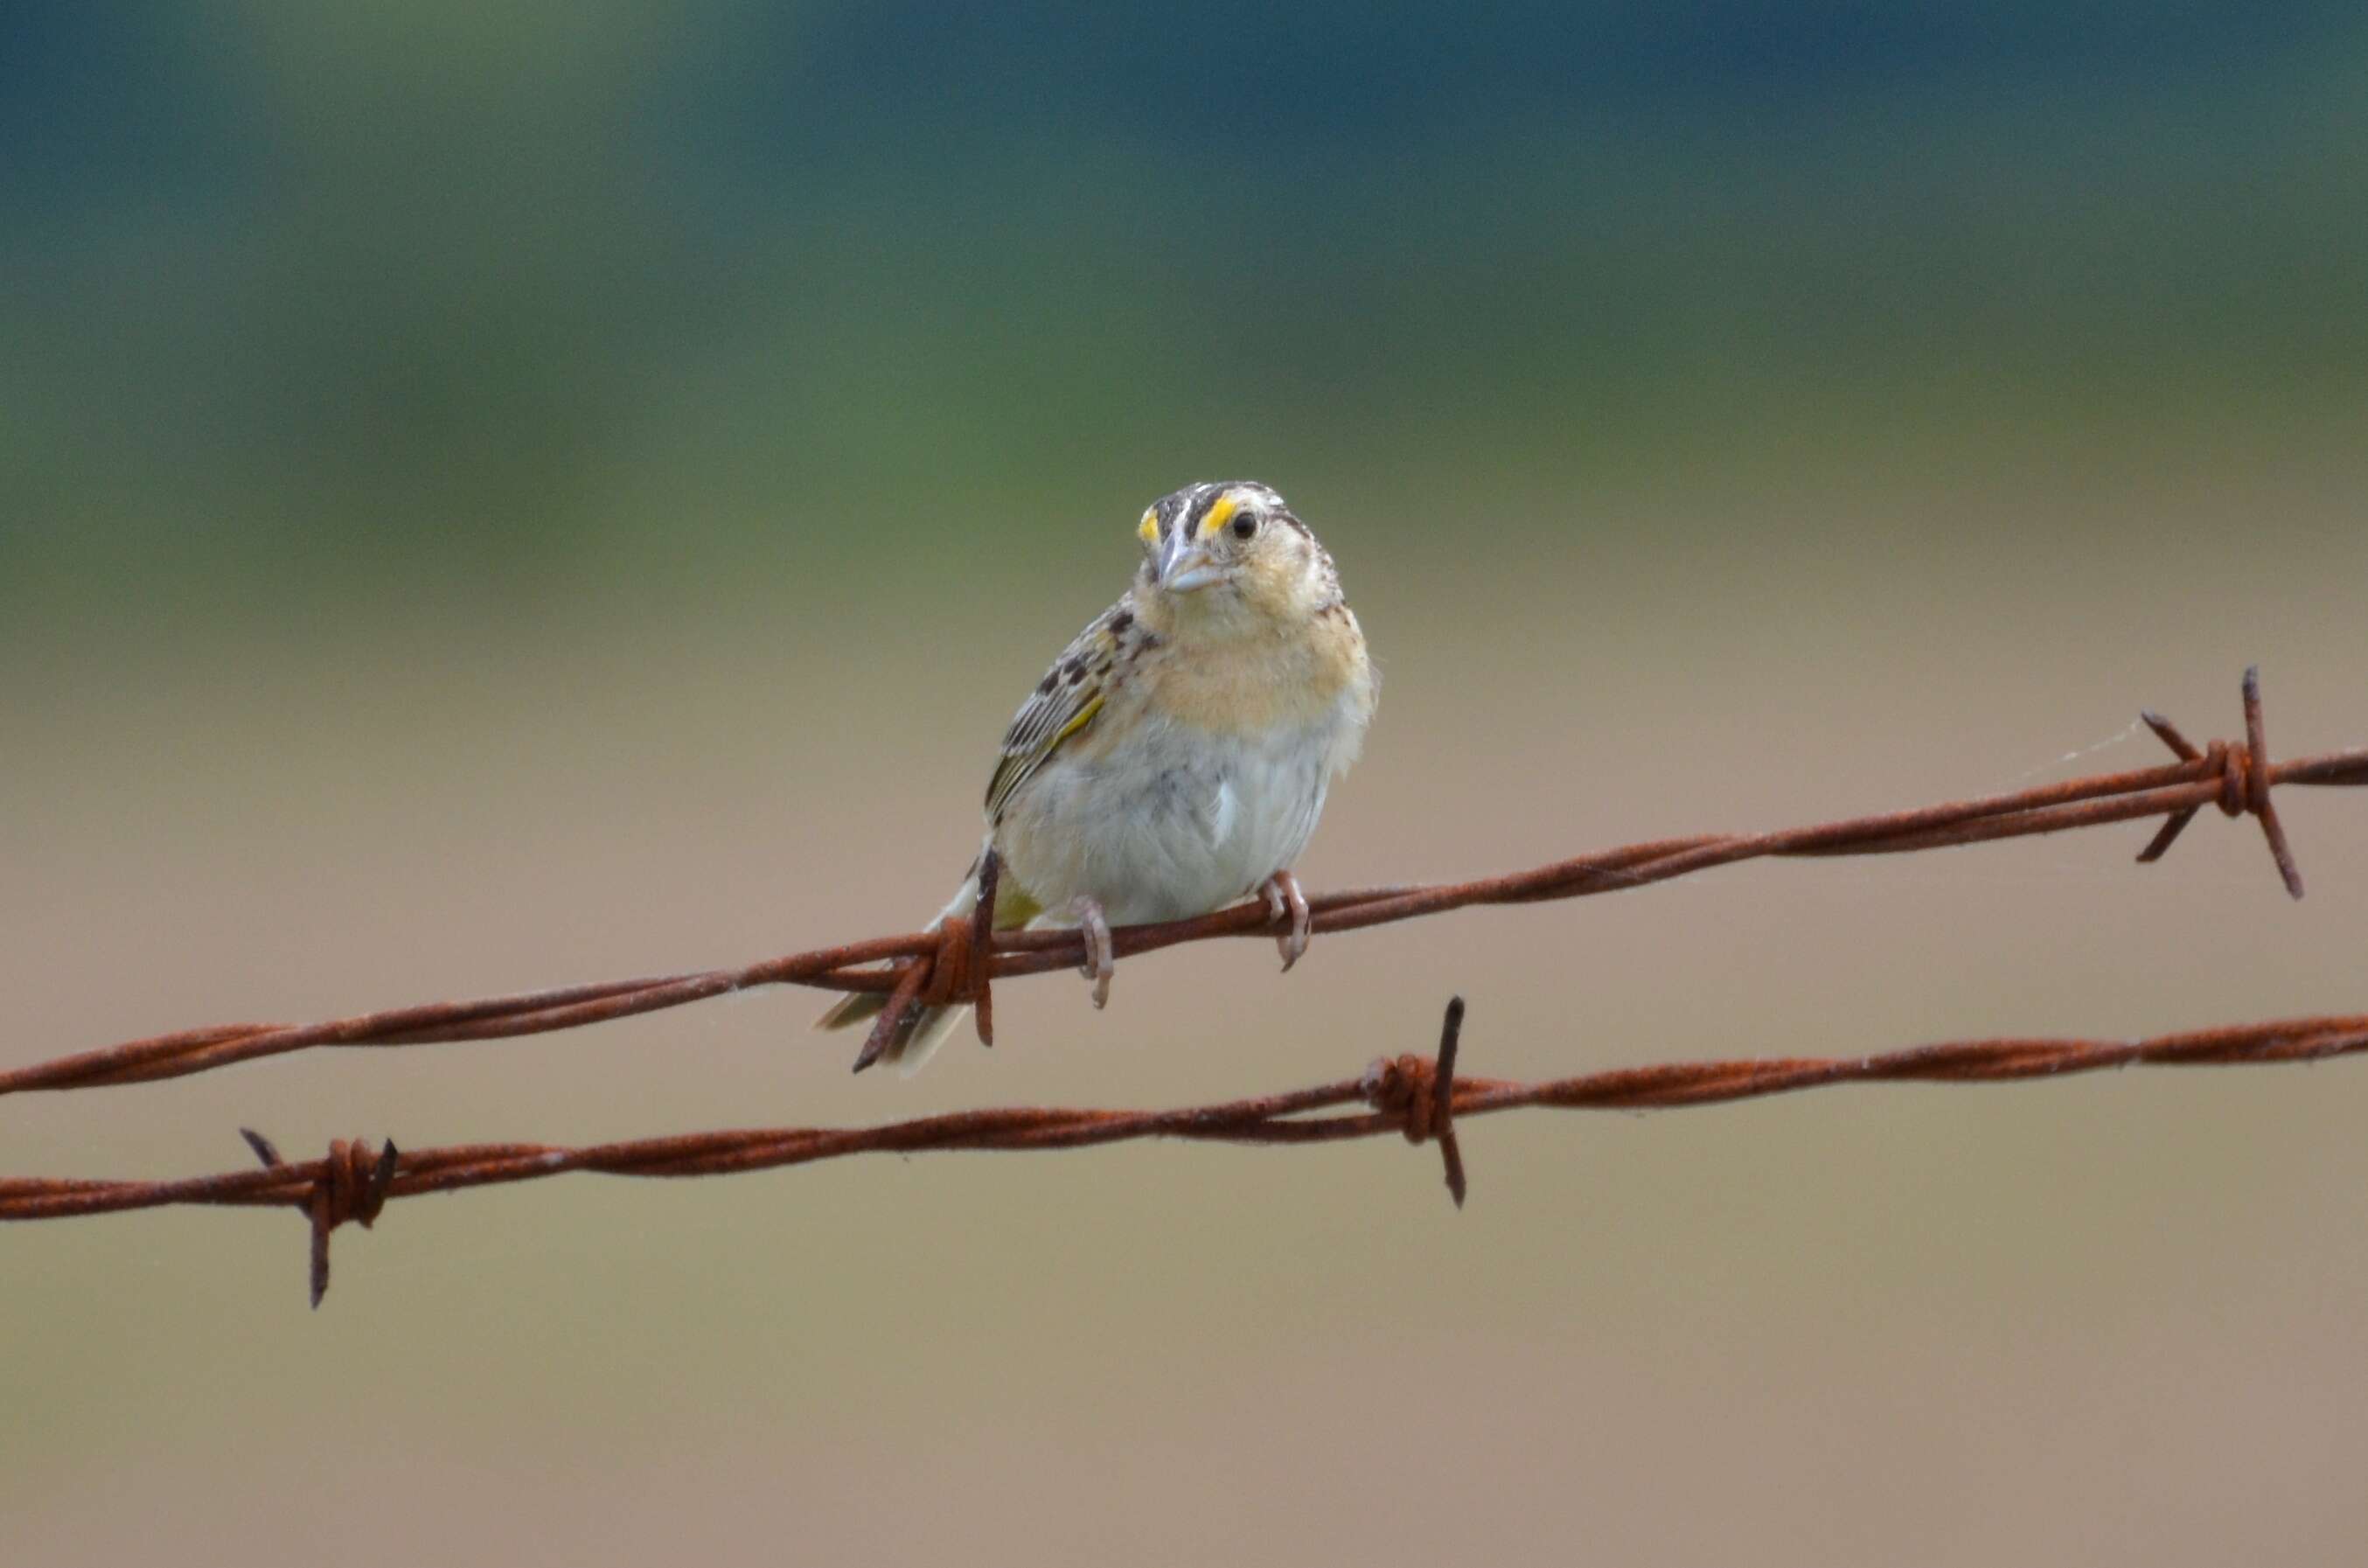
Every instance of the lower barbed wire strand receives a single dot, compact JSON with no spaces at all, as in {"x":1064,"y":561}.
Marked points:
{"x":1291,"y":1117}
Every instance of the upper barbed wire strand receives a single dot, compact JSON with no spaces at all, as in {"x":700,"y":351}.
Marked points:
{"x":2234,"y":776}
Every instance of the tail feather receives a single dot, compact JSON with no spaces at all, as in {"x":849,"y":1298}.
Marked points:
{"x":917,"y":1037}
{"x":925,"y":1028}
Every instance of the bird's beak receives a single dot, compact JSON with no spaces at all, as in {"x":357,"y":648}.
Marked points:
{"x":1184,"y":565}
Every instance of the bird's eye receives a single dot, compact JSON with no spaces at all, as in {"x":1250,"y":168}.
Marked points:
{"x":1245,"y":526}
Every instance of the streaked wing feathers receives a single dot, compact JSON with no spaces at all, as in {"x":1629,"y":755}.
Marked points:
{"x":1063,"y":704}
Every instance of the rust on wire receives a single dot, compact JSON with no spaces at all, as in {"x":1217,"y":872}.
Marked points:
{"x":959,"y":961}
{"x":1412,"y":1096}
{"x":910,"y":976}
{"x":1420,"y":1092}
{"x":2244,"y":773}
{"x":982,"y":946}
{"x":353,"y":1183}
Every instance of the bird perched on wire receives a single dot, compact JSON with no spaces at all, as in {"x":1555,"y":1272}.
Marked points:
{"x":1176,"y":756}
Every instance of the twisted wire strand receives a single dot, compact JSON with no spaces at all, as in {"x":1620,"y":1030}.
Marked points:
{"x":961,"y":962}
{"x":1423,"y":1099}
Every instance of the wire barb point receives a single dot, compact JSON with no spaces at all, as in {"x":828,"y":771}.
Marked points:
{"x":910,"y":976}
{"x":982,"y":947}
{"x":2244,"y":775}
{"x":351,"y":1184}
{"x":1421,"y":1096}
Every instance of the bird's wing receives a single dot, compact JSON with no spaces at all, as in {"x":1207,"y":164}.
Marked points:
{"x":1060,"y":706}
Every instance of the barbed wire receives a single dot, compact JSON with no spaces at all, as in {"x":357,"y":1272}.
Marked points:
{"x":959,"y":961}
{"x":1421,"y":1098}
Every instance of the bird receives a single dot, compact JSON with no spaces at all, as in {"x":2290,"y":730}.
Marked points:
{"x":1175,"y":759}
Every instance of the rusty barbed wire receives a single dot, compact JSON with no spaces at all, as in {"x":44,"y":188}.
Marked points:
{"x":960,"y":962}
{"x":1421,"y":1098}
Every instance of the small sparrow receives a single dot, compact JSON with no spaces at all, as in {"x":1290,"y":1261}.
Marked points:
{"x":1176,"y":756}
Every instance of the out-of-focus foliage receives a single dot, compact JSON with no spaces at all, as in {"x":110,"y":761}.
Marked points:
{"x":444,"y":299}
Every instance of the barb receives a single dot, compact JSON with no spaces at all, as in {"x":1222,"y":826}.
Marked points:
{"x":1423,"y":1093}
{"x":352,"y":1184}
{"x":960,"y":962}
{"x":2245,"y":776}
{"x":1416,"y":1098}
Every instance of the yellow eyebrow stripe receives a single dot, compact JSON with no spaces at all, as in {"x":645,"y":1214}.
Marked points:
{"x":1220,"y":512}
{"x":1149,"y":530}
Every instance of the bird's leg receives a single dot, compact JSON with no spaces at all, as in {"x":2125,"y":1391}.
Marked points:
{"x":1100,"y":962}
{"x":1283,"y":897}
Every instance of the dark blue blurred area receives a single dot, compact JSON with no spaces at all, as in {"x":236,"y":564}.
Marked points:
{"x":1370,"y":78}
{"x":93,"y":98}
{"x":439,"y":292}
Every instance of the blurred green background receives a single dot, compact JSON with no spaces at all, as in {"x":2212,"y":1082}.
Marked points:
{"x":496,"y":495}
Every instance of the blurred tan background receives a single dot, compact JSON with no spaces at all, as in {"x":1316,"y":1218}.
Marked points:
{"x":502,"y":503}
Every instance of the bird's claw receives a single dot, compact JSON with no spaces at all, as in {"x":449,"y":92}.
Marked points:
{"x":1284,"y":899}
{"x":1101,"y":962}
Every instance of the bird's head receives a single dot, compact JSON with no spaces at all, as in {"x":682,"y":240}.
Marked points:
{"x":1232,"y":553}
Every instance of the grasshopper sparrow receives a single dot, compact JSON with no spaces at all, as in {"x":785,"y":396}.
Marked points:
{"x":1175,"y":757}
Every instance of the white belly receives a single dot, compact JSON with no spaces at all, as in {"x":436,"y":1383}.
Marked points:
{"x":1180,"y":822}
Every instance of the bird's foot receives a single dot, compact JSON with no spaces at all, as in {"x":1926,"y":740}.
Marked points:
{"x":1101,"y":963}
{"x":1284,"y":899}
